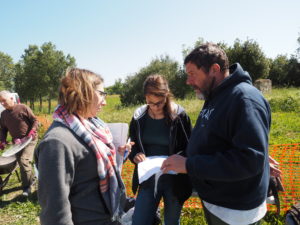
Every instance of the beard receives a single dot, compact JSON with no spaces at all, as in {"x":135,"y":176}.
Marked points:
{"x":205,"y":92}
{"x":200,"y":96}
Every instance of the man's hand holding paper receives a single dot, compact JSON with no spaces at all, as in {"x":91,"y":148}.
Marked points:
{"x":174,"y":163}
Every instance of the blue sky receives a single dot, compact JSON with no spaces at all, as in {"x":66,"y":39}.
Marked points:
{"x":117,"y":38}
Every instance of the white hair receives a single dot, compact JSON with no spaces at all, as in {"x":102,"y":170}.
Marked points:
{"x":6,"y":94}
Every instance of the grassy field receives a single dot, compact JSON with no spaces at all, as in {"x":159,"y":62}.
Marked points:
{"x":285,"y":129}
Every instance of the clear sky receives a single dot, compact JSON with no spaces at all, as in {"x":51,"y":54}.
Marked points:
{"x":116,"y":38}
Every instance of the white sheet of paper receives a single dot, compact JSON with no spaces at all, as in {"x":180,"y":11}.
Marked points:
{"x":119,"y":132}
{"x":150,"y":167}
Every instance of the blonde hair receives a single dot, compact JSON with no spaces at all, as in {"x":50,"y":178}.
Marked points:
{"x":77,"y":90}
{"x":158,"y":86}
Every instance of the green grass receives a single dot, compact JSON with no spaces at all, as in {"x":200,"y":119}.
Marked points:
{"x":285,"y":129}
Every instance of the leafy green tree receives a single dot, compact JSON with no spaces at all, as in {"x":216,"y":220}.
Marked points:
{"x":39,"y":72}
{"x":132,"y":91}
{"x":7,"y":72}
{"x":27,"y":78}
{"x":53,"y":64}
{"x":279,"y":69}
{"x":251,"y":58}
{"x":293,"y":76}
{"x":117,"y":88}
{"x":298,"y":49}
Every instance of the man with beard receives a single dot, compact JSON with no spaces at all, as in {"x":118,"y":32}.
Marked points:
{"x":227,"y":154}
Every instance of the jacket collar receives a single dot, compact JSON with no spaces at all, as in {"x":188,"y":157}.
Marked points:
{"x":142,"y":110}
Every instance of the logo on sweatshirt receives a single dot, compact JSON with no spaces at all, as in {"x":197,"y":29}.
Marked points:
{"x":205,"y":113}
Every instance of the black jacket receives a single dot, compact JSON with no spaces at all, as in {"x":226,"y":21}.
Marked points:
{"x":180,"y":131}
{"x":228,"y":149}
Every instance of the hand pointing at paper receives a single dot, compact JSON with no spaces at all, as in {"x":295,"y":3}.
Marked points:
{"x":175,"y":163}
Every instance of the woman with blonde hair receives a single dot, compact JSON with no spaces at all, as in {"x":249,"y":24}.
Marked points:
{"x":159,"y":128}
{"x":79,"y":182}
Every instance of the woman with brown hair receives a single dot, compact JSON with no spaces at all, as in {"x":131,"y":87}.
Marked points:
{"x":159,"y":128}
{"x":79,"y":182}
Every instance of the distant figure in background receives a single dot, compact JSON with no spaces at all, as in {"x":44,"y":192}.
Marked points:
{"x":20,"y":122}
{"x":227,"y":155}
{"x":159,"y":128}
{"x":79,"y":182}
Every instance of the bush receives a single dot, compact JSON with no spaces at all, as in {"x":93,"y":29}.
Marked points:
{"x":286,"y":104}
{"x":132,"y":93}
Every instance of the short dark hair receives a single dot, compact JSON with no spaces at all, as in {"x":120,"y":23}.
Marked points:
{"x":206,"y":55}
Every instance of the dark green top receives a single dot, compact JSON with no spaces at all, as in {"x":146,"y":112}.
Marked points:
{"x":156,"y":136}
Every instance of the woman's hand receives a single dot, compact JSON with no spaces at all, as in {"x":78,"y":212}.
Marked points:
{"x":125,"y":149}
{"x":139,"y":157}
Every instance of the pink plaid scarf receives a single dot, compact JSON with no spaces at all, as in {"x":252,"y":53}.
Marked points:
{"x":95,"y":133}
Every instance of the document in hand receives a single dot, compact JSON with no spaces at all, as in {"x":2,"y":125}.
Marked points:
{"x":119,"y":132}
{"x":150,"y":167}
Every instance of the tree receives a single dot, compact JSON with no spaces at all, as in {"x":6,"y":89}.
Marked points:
{"x":279,"y":69}
{"x":117,"y":88}
{"x":132,"y":92}
{"x":293,"y":76}
{"x":27,"y":75}
{"x":39,"y":72}
{"x":298,"y":49}
{"x":7,"y":72}
{"x":251,"y":58}
{"x":53,"y":64}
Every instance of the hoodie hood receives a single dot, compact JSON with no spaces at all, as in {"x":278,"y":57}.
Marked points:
{"x":237,"y":75}
{"x":139,"y":112}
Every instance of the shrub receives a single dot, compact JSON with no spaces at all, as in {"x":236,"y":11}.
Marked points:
{"x":286,"y":104}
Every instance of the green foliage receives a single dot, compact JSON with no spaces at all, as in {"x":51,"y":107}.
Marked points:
{"x":133,"y":91}
{"x":288,"y":104}
{"x":284,"y":100}
{"x":251,"y":58}
{"x":7,"y":72}
{"x":279,"y":70}
{"x":285,"y":128}
{"x":293,"y":76}
{"x":116,"y":89}
{"x":39,"y":71}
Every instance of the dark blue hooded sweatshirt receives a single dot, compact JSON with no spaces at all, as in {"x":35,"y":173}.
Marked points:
{"x":228,"y":149}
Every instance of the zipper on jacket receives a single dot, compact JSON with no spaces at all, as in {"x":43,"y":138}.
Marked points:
{"x":139,"y":136}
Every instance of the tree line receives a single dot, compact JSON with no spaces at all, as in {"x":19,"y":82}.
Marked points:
{"x":37,"y":74}
{"x":284,"y":71}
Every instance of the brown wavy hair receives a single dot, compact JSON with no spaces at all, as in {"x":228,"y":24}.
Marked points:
{"x":77,"y":90}
{"x":158,"y":86}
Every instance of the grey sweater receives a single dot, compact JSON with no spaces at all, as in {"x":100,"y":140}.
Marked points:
{"x":68,"y":186}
